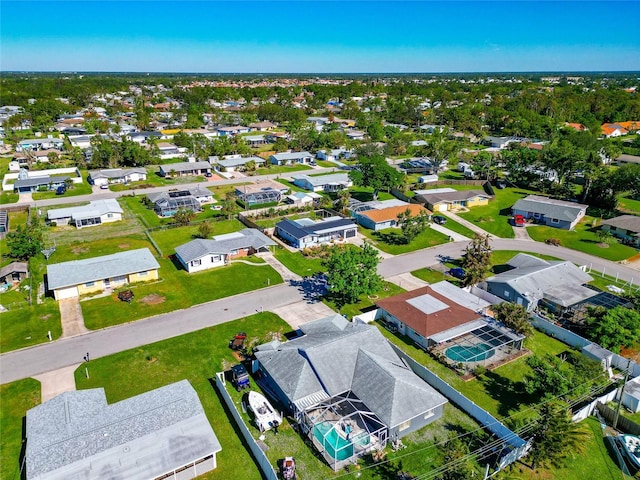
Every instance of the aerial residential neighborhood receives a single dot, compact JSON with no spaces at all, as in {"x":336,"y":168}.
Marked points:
{"x":320,"y":275}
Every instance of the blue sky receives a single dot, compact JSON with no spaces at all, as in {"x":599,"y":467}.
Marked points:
{"x":319,"y":36}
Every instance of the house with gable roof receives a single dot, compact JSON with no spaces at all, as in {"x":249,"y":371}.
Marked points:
{"x":202,"y":254}
{"x":550,"y":212}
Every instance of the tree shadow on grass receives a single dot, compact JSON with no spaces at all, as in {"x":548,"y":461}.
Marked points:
{"x":509,"y":394}
{"x":391,"y":238}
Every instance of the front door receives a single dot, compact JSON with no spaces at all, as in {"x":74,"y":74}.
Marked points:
{"x":107,"y":283}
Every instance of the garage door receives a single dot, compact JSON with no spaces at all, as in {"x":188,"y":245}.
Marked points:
{"x":68,"y":292}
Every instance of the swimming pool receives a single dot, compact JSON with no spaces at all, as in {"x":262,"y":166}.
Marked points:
{"x":475,"y":353}
{"x":336,"y":446}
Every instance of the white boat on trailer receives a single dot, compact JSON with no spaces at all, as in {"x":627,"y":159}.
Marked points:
{"x":265,"y":416}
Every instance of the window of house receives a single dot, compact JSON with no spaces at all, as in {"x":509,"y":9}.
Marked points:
{"x":215,"y":258}
{"x":143,"y":274}
{"x":555,"y":220}
{"x":506,"y":293}
{"x":89,"y":284}
{"x":428,"y":414}
{"x":195,"y":263}
{"x":109,"y":215}
{"x":404,"y":426}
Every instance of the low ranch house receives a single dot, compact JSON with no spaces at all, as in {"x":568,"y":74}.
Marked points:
{"x":443,"y":199}
{"x":291,"y":158}
{"x":550,"y":212}
{"x":624,"y":227}
{"x":26,"y":181}
{"x":334,"y":182}
{"x":203,"y":254}
{"x":185,"y":168}
{"x":304,"y":232}
{"x":100,"y":274}
{"x":117,"y":175}
{"x":95,"y":213}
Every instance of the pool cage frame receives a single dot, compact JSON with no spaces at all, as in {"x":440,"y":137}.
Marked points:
{"x":499,"y":338}
{"x":250,"y":199}
{"x":351,"y":420}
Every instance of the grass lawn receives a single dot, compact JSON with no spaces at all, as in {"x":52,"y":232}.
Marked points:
{"x":584,"y":239}
{"x":196,"y":357}
{"x":8,"y":197}
{"x":629,"y":205}
{"x":365,"y":194}
{"x":459,"y":228}
{"x":17,"y":398}
{"x":282,"y":169}
{"x":326,"y":164}
{"x":390,"y":240}
{"x":298,"y":263}
{"x":494,"y":218}
{"x":177,"y":289}
{"x":432,"y":276}
{"x":76,"y":189}
{"x":28,"y":326}
{"x":168,"y":239}
{"x":133,"y":206}
{"x":594,"y":463}
{"x":366,"y":301}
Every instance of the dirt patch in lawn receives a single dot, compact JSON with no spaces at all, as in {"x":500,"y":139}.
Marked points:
{"x":123,"y":245}
{"x":603,"y":245}
{"x":79,"y":250}
{"x":45,"y":317}
{"x":152,"y":299}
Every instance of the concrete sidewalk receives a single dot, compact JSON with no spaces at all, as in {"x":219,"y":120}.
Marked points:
{"x":468,"y":224}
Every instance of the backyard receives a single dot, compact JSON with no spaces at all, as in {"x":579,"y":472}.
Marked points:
{"x":494,"y":218}
{"x":583,"y":238}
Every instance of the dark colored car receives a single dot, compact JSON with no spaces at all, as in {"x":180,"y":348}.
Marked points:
{"x":61,"y":190}
{"x":208,"y":175}
{"x":457,"y":272}
{"x":240,"y":377}
{"x":439,"y":219}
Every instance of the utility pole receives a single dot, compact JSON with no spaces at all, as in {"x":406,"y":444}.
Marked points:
{"x":624,"y":383}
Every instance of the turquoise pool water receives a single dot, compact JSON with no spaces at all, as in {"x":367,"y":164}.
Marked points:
{"x":336,"y":446}
{"x":482,"y":351}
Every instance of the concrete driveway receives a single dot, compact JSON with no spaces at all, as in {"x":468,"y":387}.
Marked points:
{"x":56,"y":382}
{"x":71,"y":317}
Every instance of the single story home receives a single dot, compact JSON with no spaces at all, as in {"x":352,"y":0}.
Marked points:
{"x":117,"y":175}
{"x":333,"y":182}
{"x":304,"y":232}
{"x":185,"y":168}
{"x":344,"y":380}
{"x":290,"y":158}
{"x":202,"y":254}
{"x":99,"y":274}
{"x":624,"y":227}
{"x":166,"y":204}
{"x":261,"y":126}
{"x":169,"y":150}
{"x":33,"y":184}
{"x":379,"y":219}
{"x":143,"y":137}
{"x":550,"y":212}
{"x":556,"y":284}
{"x":231,"y":163}
{"x":14,"y":272}
{"x":160,"y":434}
{"x":261,"y":192}
{"x":34,"y":144}
{"x":231,"y":131}
{"x":255,"y":140}
{"x":355,"y":135}
{"x":26,"y":181}
{"x":95,"y":212}
{"x":333,"y":154}
{"x":443,"y":199}
{"x":302,"y":198}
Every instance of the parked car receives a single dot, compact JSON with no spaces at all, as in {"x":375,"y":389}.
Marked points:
{"x":519,"y":220}
{"x":61,"y":190}
{"x":439,"y":219}
{"x":239,"y":377}
{"x":104,"y":186}
{"x":457,"y":272}
{"x":208,"y":174}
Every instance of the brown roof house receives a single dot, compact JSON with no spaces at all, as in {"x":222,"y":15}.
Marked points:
{"x":451,"y":319}
{"x":379,"y":219}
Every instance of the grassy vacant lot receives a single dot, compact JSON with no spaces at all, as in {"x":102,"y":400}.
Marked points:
{"x":8,"y":197}
{"x":17,"y":398}
{"x":494,"y":218}
{"x":170,"y":238}
{"x":390,"y":240}
{"x":196,"y":357}
{"x":28,"y":326}
{"x":298,"y":263}
{"x":584,"y":239}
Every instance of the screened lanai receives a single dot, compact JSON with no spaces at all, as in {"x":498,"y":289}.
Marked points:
{"x":260,"y":197}
{"x":343,"y":429}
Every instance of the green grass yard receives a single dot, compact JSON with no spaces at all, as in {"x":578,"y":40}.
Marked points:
{"x":29,"y":325}
{"x":298,"y":263}
{"x":494,"y":217}
{"x":459,"y":228}
{"x":17,"y":397}
{"x":390,"y":240}
{"x":168,"y":239}
{"x":366,"y":301}
{"x":583,"y":238}
{"x":629,"y":205}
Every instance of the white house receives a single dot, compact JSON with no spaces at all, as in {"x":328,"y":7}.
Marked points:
{"x":117,"y":175}
{"x":333,"y":154}
{"x":95,"y":213}
{"x":291,"y":158}
{"x":323,"y":183}
{"x":202,"y":254}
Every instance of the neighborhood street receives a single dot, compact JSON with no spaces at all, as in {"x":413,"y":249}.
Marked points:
{"x":69,"y":351}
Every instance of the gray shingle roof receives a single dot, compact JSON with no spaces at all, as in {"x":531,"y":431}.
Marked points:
{"x":75,"y":272}
{"x":185,"y":166}
{"x":115,"y":172}
{"x":559,"y":281}
{"x":78,"y":435}
{"x":335,"y":356}
{"x":626,"y":222}
{"x":291,"y":155}
{"x":550,"y":208}
{"x":95,"y":208}
{"x":223,"y":244}
{"x":319,"y":180}
{"x":19,"y":267}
